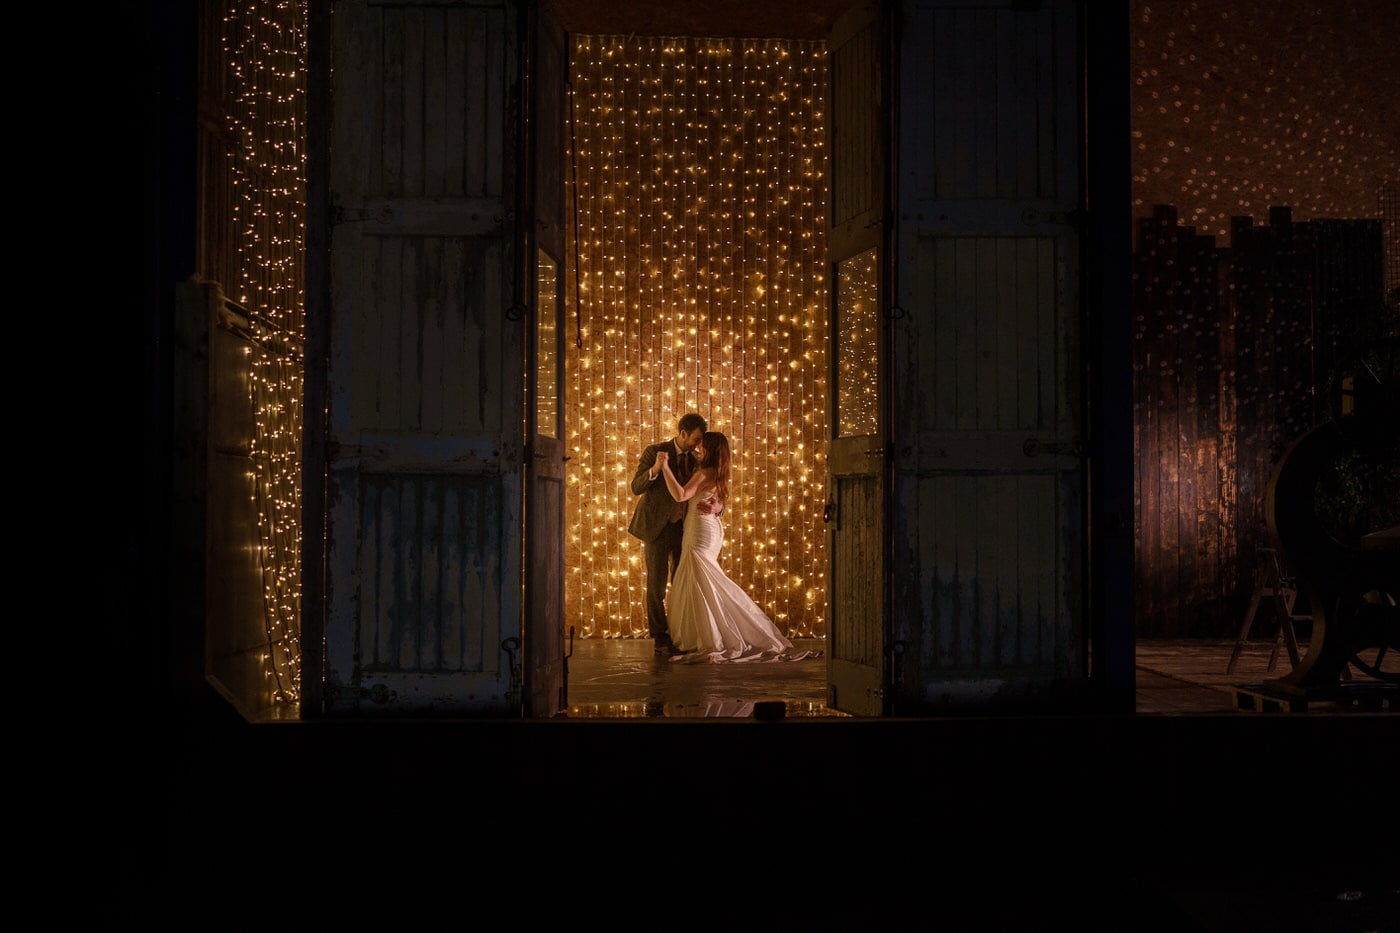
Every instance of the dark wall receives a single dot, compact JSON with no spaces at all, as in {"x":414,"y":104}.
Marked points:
{"x":1109,"y":379}
{"x":137,"y":156}
{"x":134,"y":235}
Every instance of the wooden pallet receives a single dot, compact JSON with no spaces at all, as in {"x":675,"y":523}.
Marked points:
{"x":1367,"y":697}
{"x":1262,"y":699}
{"x":1370,"y":697}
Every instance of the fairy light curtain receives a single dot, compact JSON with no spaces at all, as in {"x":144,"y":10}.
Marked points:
{"x":264,"y":53}
{"x":696,"y":281}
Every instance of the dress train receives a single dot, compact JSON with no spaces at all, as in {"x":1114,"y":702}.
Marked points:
{"x":710,"y":616}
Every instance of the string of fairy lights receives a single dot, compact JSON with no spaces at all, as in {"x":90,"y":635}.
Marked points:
{"x":265,"y":54}
{"x":697,"y":278}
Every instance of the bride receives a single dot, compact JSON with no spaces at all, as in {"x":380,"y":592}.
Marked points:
{"x":711,"y":617}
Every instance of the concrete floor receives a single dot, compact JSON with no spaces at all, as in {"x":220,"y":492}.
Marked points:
{"x":620,"y":679}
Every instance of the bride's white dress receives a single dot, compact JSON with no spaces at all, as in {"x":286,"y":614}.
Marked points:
{"x":710,"y":616}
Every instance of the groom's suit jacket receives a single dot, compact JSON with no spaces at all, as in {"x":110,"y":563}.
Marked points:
{"x":654,"y":502}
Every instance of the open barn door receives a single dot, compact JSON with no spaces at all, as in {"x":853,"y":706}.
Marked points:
{"x":857,"y":251}
{"x":956,"y":502}
{"x":424,"y":351}
{"x":544,"y":649}
{"x":987,"y":360}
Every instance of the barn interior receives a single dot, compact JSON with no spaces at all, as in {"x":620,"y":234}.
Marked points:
{"x":695,"y":278}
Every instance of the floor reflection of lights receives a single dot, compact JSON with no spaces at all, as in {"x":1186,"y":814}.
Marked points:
{"x":717,"y":709}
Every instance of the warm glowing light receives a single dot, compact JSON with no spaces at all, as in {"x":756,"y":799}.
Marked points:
{"x":264,"y":51}
{"x":1232,"y":115}
{"x":700,"y":278}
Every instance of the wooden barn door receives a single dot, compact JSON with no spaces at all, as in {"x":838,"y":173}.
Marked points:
{"x":989,"y":544}
{"x":426,"y":352}
{"x":855,"y":513}
{"x":545,"y":677}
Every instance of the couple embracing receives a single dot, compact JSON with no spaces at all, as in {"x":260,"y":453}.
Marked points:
{"x":683,"y":485}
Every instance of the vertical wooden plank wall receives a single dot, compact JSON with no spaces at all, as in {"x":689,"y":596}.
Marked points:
{"x":1181,"y":498}
{"x":1233,"y":353}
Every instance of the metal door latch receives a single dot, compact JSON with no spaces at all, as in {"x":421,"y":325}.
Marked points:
{"x":514,"y":692}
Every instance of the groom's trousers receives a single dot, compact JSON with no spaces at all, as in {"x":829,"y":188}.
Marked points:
{"x":662,"y":553}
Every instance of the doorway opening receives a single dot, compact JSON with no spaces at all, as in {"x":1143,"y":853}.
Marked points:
{"x":752,"y":303}
{"x":696,"y":281}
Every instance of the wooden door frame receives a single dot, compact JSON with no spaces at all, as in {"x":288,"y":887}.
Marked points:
{"x":848,"y":237}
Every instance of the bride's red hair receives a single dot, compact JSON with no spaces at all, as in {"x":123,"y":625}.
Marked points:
{"x":717,"y":459}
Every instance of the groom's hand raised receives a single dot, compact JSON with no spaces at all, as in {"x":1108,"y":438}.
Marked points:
{"x":709,"y":506}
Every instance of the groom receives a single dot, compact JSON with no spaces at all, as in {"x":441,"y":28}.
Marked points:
{"x":657,"y":520}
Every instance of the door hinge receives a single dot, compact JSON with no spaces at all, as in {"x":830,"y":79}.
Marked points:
{"x":515,"y":692}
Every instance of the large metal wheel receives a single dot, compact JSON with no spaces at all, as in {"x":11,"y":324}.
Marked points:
{"x":1328,"y":493}
{"x":1371,"y":621}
